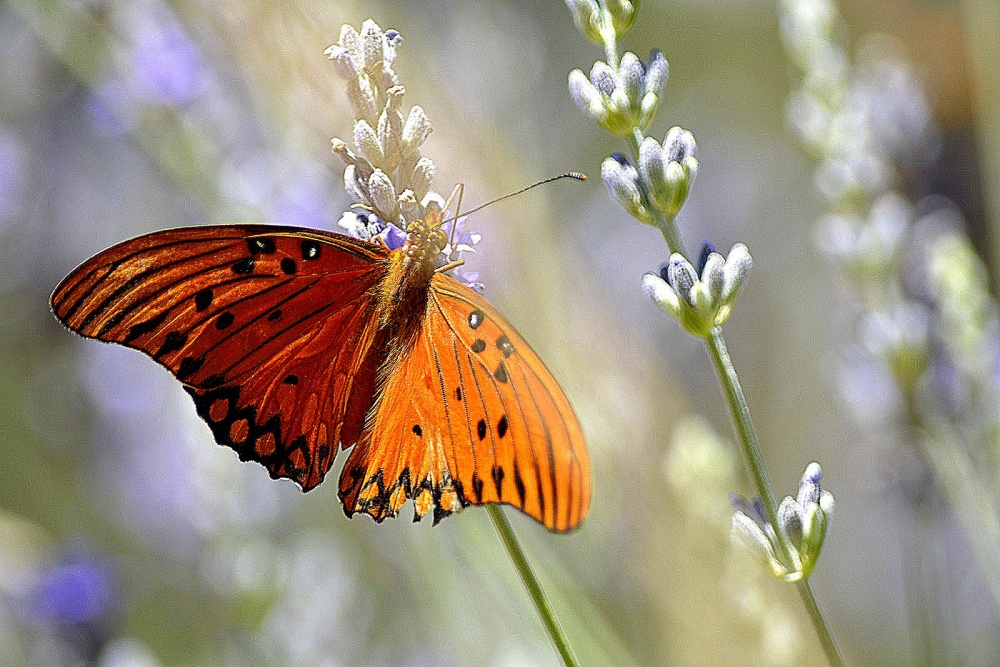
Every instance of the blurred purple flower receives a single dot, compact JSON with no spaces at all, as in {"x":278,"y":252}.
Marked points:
{"x":393,"y":236}
{"x":108,"y":108}
{"x":302,"y":206}
{"x":167,"y":67}
{"x":162,"y":66}
{"x":13,"y":157}
{"x":78,"y":588}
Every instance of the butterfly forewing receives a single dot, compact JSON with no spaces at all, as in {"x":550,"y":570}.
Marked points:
{"x":270,"y":328}
{"x":470,"y":416}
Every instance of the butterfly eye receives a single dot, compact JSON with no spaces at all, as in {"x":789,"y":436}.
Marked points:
{"x":438,"y":239}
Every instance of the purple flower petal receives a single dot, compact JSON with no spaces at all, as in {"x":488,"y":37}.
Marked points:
{"x":77,"y":590}
{"x":168,"y":68}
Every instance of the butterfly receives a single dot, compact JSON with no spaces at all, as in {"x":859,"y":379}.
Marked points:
{"x":297,"y":343}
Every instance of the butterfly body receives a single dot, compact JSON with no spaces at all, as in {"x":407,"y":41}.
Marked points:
{"x":296,"y":343}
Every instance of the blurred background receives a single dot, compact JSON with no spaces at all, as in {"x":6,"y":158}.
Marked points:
{"x":127,"y":537}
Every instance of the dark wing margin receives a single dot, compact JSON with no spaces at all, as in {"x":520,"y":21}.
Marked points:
{"x":269,"y":328}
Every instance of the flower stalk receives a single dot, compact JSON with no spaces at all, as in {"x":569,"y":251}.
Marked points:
{"x":531,"y":583}
{"x":622,"y":96}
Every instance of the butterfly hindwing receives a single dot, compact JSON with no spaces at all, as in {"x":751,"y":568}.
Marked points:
{"x":469,"y":416}
{"x":270,"y":328}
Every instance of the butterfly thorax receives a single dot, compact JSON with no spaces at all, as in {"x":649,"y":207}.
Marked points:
{"x":406,"y":286}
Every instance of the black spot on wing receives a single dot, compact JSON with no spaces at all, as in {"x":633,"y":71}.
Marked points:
{"x":476,"y":318}
{"x":175,"y":341}
{"x":244,"y":266}
{"x":288,"y":266}
{"x":505,"y":346}
{"x":311,"y":250}
{"x":260,"y":245}
{"x":500,"y":374}
{"x":189,"y":366}
{"x":481,"y":429}
{"x":477,"y":487}
{"x":502,"y":426}
{"x":519,"y":484}
{"x":224,"y":321}
{"x":143,"y":328}
{"x":213,"y":381}
{"x":203,"y":299}
{"x":498,"y":474}
{"x":478,"y":345}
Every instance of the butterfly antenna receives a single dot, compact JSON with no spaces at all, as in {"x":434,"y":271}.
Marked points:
{"x":575,"y":175}
{"x":460,"y":188}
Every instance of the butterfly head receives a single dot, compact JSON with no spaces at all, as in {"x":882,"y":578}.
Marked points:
{"x":437,"y":244}
{"x":425,"y":239}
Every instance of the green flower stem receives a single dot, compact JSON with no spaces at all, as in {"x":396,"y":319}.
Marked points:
{"x":669,"y":230}
{"x":523,"y":568}
{"x":808,"y":596}
{"x":716,"y":345}
{"x":745,"y":430}
{"x":634,"y":142}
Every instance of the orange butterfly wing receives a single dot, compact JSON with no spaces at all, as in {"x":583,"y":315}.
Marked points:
{"x":470,"y":416}
{"x":270,"y":329}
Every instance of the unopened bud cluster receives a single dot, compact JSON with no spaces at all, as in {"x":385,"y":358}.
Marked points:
{"x":803,"y":521}
{"x":700,"y":300}
{"x":603,"y":20}
{"x":621,"y":99}
{"x":385,"y":172}
{"x":663,"y":177}
{"x":622,"y":96}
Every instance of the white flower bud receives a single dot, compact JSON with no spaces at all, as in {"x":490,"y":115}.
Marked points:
{"x":586,"y":96}
{"x":383,"y":195}
{"x":662,"y":293}
{"x":713,"y":275}
{"x":423,"y":175}
{"x":586,"y":15}
{"x":632,"y":76}
{"x":621,"y":181}
{"x":367,"y":143}
{"x":738,"y":264}
{"x":415,"y":130}
{"x":657,"y":72}
{"x":372,"y":45}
